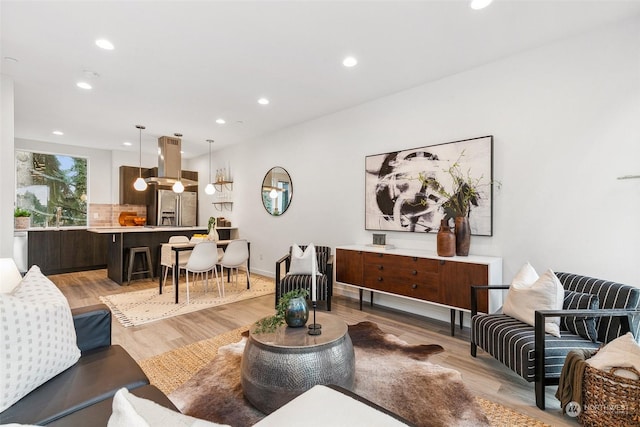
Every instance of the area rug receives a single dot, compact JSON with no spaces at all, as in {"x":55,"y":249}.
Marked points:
{"x":140,"y":307}
{"x":203,"y":379}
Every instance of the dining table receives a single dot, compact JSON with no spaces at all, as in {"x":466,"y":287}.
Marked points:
{"x":182,"y":247}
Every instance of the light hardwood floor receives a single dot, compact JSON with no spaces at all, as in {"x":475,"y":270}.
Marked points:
{"x":485,"y":376}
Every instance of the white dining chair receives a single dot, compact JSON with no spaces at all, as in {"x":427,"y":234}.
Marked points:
{"x":235,"y":256}
{"x":168,"y":257}
{"x":203,"y":259}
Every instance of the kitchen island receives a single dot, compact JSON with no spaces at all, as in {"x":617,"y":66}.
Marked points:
{"x":121,"y":239}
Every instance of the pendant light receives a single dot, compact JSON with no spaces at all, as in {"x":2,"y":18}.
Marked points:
{"x":178,"y":187}
{"x":140,"y":184}
{"x":210,"y":189}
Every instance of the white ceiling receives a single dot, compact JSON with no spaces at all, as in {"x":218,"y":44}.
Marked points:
{"x":179,"y":65}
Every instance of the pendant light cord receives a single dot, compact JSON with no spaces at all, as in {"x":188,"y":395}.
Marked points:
{"x":140,"y":127}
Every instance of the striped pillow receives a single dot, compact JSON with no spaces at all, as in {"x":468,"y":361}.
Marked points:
{"x":582,"y":326}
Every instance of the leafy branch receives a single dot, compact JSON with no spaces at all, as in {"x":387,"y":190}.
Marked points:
{"x":271,"y":323}
{"x":465,"y":191}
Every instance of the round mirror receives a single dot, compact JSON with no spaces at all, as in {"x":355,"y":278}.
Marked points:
{"x":277,"y":191}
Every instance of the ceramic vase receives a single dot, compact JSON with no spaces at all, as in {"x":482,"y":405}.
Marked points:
{"x":297,"y":312}
{"x":463,"y":236}
{"x":446,"y":240}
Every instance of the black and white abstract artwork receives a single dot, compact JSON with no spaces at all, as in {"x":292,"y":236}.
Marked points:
{"x":396,"y":198}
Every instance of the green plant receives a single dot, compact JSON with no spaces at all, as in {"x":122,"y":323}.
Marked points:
{"x":19,"y":212}
{"x":465,"y":192}
{"x":271,"y":323}
{"x":212,"y":224}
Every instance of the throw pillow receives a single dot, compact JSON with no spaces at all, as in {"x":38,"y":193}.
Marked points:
{"x":624,"y":351}
{"x":546,"y":293}
{"x":527,"y":275}
{"x":582,"y":326}
{"x":130,"y":410}
{"x":38,"y":336}
{"x":10,"y":275}
{"x":303,"y":262}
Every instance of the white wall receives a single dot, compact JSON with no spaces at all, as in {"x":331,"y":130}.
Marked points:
{"x":7,"y":167}
{"x":565,"y":124}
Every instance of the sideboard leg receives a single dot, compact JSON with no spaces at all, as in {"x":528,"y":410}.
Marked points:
{"x":453,"y":321}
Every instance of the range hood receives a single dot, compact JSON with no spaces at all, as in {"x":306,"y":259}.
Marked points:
{"x":169,"y":163}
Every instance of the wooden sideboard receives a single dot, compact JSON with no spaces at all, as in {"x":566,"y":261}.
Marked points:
{"x":420,"y":275}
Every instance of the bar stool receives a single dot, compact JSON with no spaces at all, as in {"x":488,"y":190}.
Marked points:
{"x":143,"y":250}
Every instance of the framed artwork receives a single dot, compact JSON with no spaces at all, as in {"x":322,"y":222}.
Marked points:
{"x":413,"y":190}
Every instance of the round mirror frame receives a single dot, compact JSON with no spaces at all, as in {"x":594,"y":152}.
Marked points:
{"x":270,"y":187}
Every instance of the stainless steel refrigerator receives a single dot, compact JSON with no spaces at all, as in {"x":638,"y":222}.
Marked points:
{"x":177,"y":209}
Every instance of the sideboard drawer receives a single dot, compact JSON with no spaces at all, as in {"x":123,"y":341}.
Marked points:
{"x":402,"y":262}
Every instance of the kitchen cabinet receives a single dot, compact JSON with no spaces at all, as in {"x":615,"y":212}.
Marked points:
{"x":64,"y":251}
{"x":420,"y":275}
{"x":44,"y":250}
{"x":128,"y":194}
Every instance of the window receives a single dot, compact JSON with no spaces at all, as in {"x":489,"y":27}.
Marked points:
{"x":46,"y":183}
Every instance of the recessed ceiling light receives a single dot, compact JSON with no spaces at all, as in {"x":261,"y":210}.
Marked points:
{"x":57,"y":132}
{"x":181,"y":152}
{"x":104,"y":44}
{"x":221,"y":121}
{"x":480,"y":4}
{"x":263,"y":101}
{"x":83,"y":85}
{"x":127,"y":143}
{"x":350,"y":61}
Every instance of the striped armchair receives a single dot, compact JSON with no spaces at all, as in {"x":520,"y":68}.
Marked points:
{"x":518,"y":345}
{"x":324,"y":283}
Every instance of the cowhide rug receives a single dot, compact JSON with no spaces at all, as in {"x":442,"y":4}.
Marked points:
{"x":389,"y":372}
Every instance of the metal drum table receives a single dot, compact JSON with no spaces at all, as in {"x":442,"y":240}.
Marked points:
{"x":279,"y":366}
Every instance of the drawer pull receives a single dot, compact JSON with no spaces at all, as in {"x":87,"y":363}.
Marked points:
{"x":442,"y":262}
{"x":381,"y":267}
{"x":380,"y":255}
{"x":414,"y":272}
{"x":415,"y":258}
{"x":414,"y":286}
{"x":379,"y":279}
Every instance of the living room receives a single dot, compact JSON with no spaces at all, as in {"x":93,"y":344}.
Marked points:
{"x":563,"y":116}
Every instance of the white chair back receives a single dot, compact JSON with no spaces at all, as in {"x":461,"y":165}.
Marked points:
{"x":203,"y":257}
{"x":168,"y":258}
{"x":237,"y":253}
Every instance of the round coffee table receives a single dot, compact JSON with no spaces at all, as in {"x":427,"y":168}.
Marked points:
{"x":279,"y":366}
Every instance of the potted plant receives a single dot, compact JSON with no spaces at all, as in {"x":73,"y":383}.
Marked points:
{"x":22,"y":219}
{"x":271,"y":323}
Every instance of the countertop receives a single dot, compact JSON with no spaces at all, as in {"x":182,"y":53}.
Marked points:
{"x":142,"y":229}
{"x":123,"y":229}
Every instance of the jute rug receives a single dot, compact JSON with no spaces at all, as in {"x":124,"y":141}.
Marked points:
{"x":140,"y":307}
{"x":209,"y":371}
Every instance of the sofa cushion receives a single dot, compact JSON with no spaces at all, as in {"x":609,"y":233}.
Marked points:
{"x":583,"y":326}
{"x":523,"y":299}
{"x":610,"y":295}
{"x":100,"y":412}
{"x":512,"y":342}
{"x":96,"y":376}
{"x":133,"y":411}
{"x":38,"y":336}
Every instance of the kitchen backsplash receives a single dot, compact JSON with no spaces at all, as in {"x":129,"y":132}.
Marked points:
{"x":104,"y":215}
